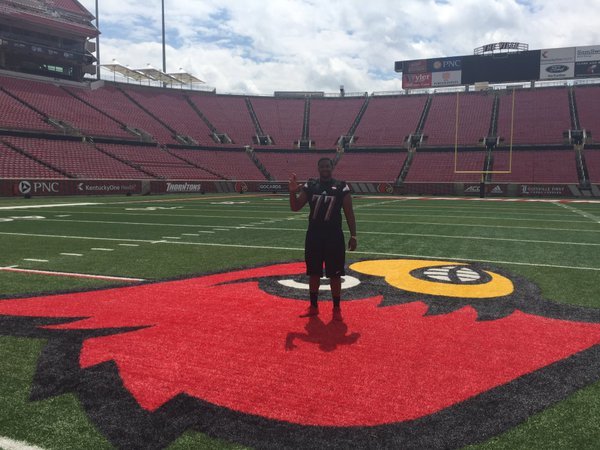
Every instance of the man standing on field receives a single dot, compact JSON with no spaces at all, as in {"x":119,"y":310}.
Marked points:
{"x":325,"y":242}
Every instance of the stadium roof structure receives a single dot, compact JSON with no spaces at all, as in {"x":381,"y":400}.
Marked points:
{"x":153,"y":74}
{"x":186,"y":78}
{"x":66,"y":16}
{"x":158,"y":75}
{"x":119,"y":68}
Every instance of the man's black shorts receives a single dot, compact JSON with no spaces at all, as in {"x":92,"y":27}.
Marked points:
{"x":324,"y":246}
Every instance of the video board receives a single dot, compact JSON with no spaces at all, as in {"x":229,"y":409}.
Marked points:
{"x":503,"y":67}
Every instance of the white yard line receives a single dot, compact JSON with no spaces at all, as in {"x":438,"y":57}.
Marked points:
{"x":444,"y":236}
{"x":488,"y":199}
{"x":71,"y":254}
{"x":482,"y":226}
{"x":233,"y":227}
{"x":382,"y":233}
{"x":11,"y":444}
{"x":56,"y":205}
{"x":102,"y":249}
{"x":403,"y":255}
{"x":35,"y":260}
{"x":210,"y":244}
{"x":361,"y":214}
{"x":379,"y":203}
{"x":70,"y":274}
{"x":129,"y":245}
{"x":585,"y":214}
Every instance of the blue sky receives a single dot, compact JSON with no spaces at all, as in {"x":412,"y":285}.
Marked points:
{"x":266,"y":45}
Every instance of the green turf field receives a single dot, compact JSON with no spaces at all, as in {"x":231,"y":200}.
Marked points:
{"x":555,"y":245}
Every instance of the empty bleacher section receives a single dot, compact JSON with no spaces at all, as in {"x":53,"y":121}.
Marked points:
{"x":542,"y":166}
{"x":474,"y":113}
{"x":75,"y":158}
{"x":282,"y":164}
{"x":281,"y":118}
{"x":118,"y":117}
{"x":388,"y":120}
{"x":156,"y":161}
{"x":16,"y":165}
{"x":588,"y":107}
{"x":113,"y":102}
{"x":58,"y":105}
{"x":540,"y":116}
{"x":370,"y":166}
{"x":331,"y":118}
{"x":70,"y":5}
{"x":231,"y":164}
{"x":438,"y":167}
{"x":228,"y":114}
{"x":173,"y":111}
{"x":592,"y":159}
{"x":14,"y":114}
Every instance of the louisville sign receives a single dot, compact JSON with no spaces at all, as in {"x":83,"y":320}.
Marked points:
{"x":431,"y":354}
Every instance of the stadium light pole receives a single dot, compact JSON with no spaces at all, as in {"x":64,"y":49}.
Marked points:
{"x":97,"y":42}
{"x":164,"y":51}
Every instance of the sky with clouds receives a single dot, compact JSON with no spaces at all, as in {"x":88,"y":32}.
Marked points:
{"x":261,"y":46}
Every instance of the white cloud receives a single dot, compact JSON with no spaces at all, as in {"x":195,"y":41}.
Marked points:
{"x":267,"y":45}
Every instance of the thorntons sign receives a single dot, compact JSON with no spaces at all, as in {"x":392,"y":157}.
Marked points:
{"x":184,"y":187}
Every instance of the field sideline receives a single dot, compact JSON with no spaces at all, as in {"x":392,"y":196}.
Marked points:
{"x":67,"y":244}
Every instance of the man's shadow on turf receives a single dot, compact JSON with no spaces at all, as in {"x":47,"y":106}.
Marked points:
{"x":327,"y":336}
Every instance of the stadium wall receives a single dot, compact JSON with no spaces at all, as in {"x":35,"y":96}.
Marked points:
{"x":67,"y":187}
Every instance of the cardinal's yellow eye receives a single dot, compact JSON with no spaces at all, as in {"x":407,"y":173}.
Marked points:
{"x":443,"y":278}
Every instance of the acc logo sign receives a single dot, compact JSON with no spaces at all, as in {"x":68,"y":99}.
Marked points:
{"x":430,"y":354}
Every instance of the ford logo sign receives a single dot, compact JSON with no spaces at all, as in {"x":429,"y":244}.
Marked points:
{"x":558,"y":68}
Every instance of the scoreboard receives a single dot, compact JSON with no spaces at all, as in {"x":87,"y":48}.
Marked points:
{"x":501,"y":67}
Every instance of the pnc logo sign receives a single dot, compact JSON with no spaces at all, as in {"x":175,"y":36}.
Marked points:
{"x":29,"y":187}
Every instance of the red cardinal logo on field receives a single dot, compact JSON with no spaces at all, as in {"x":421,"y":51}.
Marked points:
{"x":425,"y":347}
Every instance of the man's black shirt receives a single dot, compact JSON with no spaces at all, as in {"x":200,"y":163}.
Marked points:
{"x":325,"y":199}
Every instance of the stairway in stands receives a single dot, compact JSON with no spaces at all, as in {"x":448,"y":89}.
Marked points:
{"x":254,"y":158}
{"x":414,"y":140}
{"x":217,"y":136}
{"x":346,"y":140}
{"x":261,"y":137}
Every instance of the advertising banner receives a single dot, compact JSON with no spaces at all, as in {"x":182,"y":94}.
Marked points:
{"x":32,"y":188}
{"x":557,"y":71}
{"x":587,"y":61}
{"x":542,"y":190}
{"x":452,"y":64}
{"x":587,"y":53}
{"x":557,"y":55}
{"x":557,"y":63}
{"x":107,"y":187}
{"x":414,"y":81}
{"x":416,"y":66}
{"x":272,"y":187}
{"x":490,"y":189}
{"x":439,"y":79}
{"x":584,"y":69}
